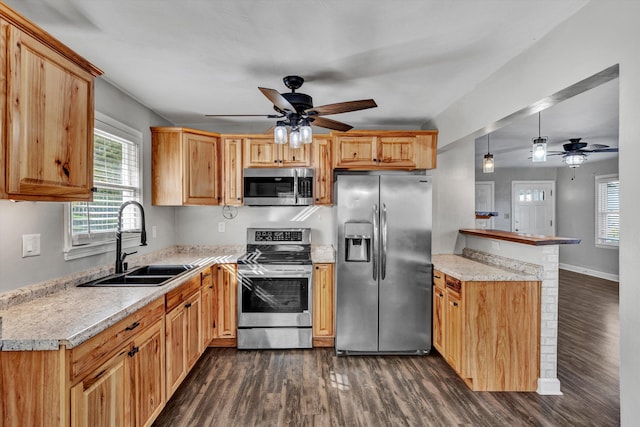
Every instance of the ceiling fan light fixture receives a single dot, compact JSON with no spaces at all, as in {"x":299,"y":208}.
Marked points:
{"x":306,"y":134}
{"x":295,"y":141}
{"x":488,"y":163}
{"x":280,"y":133}
{"x":539,"y":150}
{"x":574,"y":160}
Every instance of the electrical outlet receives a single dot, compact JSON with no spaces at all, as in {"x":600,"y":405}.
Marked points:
{"x":30,"y":245}
{"x":221,"y":227}
{"x":154,"y":231}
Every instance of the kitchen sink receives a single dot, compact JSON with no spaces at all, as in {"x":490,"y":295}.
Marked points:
{"x":148,"y":275}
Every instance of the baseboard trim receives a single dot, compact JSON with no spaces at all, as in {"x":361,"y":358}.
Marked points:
{"x":589,"y":272}
{"x":549,"y":387}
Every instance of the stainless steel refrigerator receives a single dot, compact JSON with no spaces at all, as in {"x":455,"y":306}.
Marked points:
{"x":383,"y":277}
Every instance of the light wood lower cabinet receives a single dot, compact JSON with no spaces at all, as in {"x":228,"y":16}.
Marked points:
{"x":126,"y":390}
{"x":489,"y":331}
{"x":323,"y":306}
{"x":225,"y":324}
{"x":183,"y":332}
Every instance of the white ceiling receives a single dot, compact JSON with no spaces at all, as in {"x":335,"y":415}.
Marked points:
{"x":185,"y":59}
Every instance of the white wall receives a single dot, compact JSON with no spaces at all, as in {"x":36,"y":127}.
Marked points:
{"x":600,"y":35}
{"x":198,"y":225}
{"x":576,"y":218}
{"x":46,"y":218}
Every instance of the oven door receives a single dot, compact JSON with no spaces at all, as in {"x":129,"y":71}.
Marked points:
{"x":274,"y":296}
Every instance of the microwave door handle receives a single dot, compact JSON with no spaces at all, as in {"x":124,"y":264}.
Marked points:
{"x":374,"y":242}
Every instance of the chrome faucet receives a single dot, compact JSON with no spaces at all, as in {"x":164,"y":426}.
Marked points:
{"x":120,"y":256}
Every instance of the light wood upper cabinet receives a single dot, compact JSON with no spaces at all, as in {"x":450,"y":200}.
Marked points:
{"x":47,"y":115}
{"x":385,"y":149}
{"x":262,"y":152}
{"x":323,"y":306}
{"x":232,"y":187}
{"x":323,"y":173}
{"x":185,"y":167}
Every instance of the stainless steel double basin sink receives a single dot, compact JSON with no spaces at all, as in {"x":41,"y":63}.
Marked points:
{"x":148,"y":275}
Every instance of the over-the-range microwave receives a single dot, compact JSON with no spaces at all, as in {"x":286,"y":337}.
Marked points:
{"x":278,"y":186}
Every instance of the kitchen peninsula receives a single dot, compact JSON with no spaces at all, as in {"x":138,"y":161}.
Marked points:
{"x":505,"y":259}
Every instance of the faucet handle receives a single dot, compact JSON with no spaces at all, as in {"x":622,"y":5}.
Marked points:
{"x":125,"y":254}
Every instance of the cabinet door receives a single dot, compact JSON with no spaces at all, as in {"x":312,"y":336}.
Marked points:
{"x":454,"y":330}
{"x":295,"y":157}
{"x":323,"y":305}
{"x":148,"y":369}
{"x":201,"y":166}
{"x":175,"y":348}
{"x":208,"y":307}
{"x":103,"y":398}
{"x":193,"y":309}
{"x":50,"y":112}
{"x":232,"y":171}
{"x":323,"y":171}
{"x":397,"y":152}
{"x":260,"y":153}
{"x":226,"y":295}
{"x":355,"y":152}
{"x":438,"y":319}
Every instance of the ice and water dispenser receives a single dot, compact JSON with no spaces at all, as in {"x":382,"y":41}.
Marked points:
{"x":358,"y":241}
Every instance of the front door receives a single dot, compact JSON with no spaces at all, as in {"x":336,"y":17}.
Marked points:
{"x":533,"y":207}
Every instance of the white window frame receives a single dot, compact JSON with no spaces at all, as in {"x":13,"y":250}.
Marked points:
{"x":111,"y":126}
{"x":599,"y":242}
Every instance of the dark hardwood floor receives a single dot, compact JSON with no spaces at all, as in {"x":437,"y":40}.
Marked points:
{"x":314,"y":387}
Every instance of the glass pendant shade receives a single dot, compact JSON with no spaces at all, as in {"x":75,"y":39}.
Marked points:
{"x":280,"y":133}
{"x":488,"y":164}
{"x":295,"y":141}
{"x":574,"y":160}
{"x":306,"y":135}
{"x":539,"y":150}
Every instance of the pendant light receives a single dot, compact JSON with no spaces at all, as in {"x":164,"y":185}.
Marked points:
{"x":539,"y":148}
{"x":488,"y":163}
{"x":301,"y":132}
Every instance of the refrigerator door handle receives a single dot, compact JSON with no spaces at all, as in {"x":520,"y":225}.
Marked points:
{"x":374,"y":242}
{"x":383,"y":243}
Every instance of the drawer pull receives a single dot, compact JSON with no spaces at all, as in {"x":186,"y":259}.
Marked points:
{"x":133,"y":351}
{"x":132,"y":326}
{"x":437,"y":277}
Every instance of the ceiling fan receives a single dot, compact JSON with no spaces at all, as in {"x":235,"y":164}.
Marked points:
{"x":576,"y":152}
{"x":296,"y":111}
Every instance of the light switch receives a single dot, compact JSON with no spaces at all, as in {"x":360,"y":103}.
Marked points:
{"x":30,"y":245}
{"x":221,"y":227}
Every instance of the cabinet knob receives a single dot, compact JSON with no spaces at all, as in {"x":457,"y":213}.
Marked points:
{"x":133,"y":351}
{"x":238,"y":198}
{"x":188,"y":305}
{"x":455,"y":304}
{"x":275,"y":161}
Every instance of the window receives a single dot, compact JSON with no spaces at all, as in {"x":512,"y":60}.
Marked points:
{"x":91,"y":226}
{"x":607,"y":210}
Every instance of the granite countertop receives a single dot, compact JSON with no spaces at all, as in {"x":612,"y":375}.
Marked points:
{"x":59,"y":313}
{"x":468,"y":269}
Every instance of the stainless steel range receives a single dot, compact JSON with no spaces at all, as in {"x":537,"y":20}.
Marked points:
{"x":275,"y":289}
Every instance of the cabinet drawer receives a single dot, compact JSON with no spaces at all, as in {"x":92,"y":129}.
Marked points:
{"x":454,"y":284}
{"x":438,"y":279}
{"x":98,"y":349}
{"x":178,"y":295}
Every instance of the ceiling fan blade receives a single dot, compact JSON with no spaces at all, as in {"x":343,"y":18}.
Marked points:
{"x":330,"y":124}
{"x":278,"y":100}
{"x":268,"y":116}
{"x":342,"y":107}
{"x":603,"y":150}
